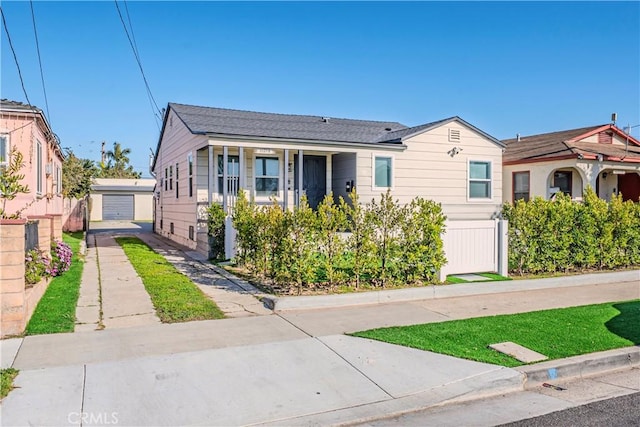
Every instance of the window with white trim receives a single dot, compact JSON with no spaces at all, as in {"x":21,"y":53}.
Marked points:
{"x":177,"y":183}
{"x":521,"y":186}
{"x":383,"y":168}
{"x":479,"y":179}
{"x":233,"y":173}
{"x":166,"y":179}
{"x":5,"y":151}
{"x":190,"y":173}
{"x":267,"y":178}
{"x":38,"y":167}
{"x":58,"y":178}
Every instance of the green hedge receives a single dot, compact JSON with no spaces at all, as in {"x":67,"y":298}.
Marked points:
{"x":386,"y":243}
{"x":561,"y":236}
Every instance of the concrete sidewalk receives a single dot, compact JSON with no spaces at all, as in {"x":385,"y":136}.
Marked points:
{"x":285,"y":368}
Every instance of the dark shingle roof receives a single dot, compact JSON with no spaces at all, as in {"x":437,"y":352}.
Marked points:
{"x":16,"y":105}
{"x":559,"y":144}
{"x":208,"y":120}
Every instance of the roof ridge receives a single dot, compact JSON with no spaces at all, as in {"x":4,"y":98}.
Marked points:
{"x":287,"y":114}
{"x":582,"y":129}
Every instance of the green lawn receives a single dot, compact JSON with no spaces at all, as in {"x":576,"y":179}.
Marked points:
{"x":491,"y":277}
{"x":174,"y":296}
{"x":56,"y":311}
{"x":555,"y":333}
{"x":6,"y":381}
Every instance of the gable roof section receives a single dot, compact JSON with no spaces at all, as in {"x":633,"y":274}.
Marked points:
{"x":568,"y":144}
{"x":404,"y":134}
{"x":221,"y":121}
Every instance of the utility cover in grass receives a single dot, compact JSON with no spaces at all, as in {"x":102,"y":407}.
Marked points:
{"x":518,"y":352}
{"x":472,"y":277}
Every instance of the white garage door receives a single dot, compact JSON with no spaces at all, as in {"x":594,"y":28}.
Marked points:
{"x":117,"y":206}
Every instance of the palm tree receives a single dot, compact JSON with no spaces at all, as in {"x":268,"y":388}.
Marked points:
{"x":118,"y":163}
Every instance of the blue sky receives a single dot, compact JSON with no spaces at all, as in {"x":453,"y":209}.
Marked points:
{"x":506,"y":67}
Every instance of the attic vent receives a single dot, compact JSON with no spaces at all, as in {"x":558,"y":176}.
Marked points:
{"x":605,"y":138}
{"x":454,"y":135}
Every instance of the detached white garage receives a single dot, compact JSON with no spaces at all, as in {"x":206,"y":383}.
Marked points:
{"x":122,"y":199}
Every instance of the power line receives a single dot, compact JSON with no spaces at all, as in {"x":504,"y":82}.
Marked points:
{"x":135,"y":54}
{"x":44,"y":90}
{"x":15,"y":57}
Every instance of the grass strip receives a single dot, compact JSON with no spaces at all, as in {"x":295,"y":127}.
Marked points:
{"x":174,"y":296}
{"x":556,"y":333}
{"x":56,"y":310}
{"x":6,"y":381}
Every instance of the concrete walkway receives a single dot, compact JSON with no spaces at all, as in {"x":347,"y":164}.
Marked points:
{"x":112,"y":294}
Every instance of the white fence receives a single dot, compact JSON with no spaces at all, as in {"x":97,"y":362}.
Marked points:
{"x":475,"y":247}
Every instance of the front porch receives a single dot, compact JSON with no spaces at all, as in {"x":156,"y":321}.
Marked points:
{"x":267,"y":175}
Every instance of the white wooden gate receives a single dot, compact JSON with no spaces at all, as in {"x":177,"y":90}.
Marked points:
{"x":475,"y":247}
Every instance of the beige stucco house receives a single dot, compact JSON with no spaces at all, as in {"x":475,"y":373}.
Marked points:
{"x":121,"y":199}
{"x":275,"y":155}
{"x":602,"y":157}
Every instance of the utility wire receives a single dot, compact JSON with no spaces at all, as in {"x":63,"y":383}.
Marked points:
{"x":44,"y":90}
{"x":15,"y":58}
{"x":154,"y":106}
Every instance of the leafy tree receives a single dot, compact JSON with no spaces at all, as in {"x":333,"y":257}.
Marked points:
{"x":77,"y":175}
{"x":360,"y":242}
{"x":386,"y":217}
{"x":331,"y":221}
{"x":10,"y":182}
{"x":118,"y":164}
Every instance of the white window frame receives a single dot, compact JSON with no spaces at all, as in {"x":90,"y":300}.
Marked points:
{"x":58,"y":177}
{"x":39,"y":167}
{"x":374,"y":187}
{"x":490,"y":180}
{"x":190,"y":173}
{"x":7,"y":149}
{"x":278,"y":194}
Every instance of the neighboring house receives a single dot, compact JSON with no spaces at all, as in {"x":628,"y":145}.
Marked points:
{"x":25,"y":127}
{"x":121,"y":199}
{"x":274,"y":155}
{"x":602,"y":157}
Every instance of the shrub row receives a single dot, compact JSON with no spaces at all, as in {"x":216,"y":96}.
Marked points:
{"x":342,"y":243}
{"x":561,"y":235}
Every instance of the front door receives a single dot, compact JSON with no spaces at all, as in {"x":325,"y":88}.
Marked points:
{"x":314,"y":178}
{"x":629,"y":186}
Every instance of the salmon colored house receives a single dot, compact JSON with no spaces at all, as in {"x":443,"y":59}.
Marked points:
{"x":602,"y":157}
{"x":25,"y":128}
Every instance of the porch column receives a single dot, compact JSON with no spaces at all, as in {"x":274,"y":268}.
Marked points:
{"x":225,"y":175}
{"x":300,"y":170}
{"x":241,"y":169}
{"x":210,"y":176}
{"x":285,"y":189}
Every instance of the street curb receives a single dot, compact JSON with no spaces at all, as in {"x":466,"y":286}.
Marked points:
{"x":504,"y":381}
{"x":444,"y":291}
{"x":580,"y":366}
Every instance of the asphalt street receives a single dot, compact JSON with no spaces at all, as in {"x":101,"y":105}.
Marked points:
{"x":621,"y":411}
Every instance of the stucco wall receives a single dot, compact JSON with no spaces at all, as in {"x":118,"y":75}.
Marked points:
{"x":26,"y":131}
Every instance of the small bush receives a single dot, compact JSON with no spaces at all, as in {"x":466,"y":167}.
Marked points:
{"x":36,"y":266}
{"x":215,"y":228}
{"x":60,"y":258}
